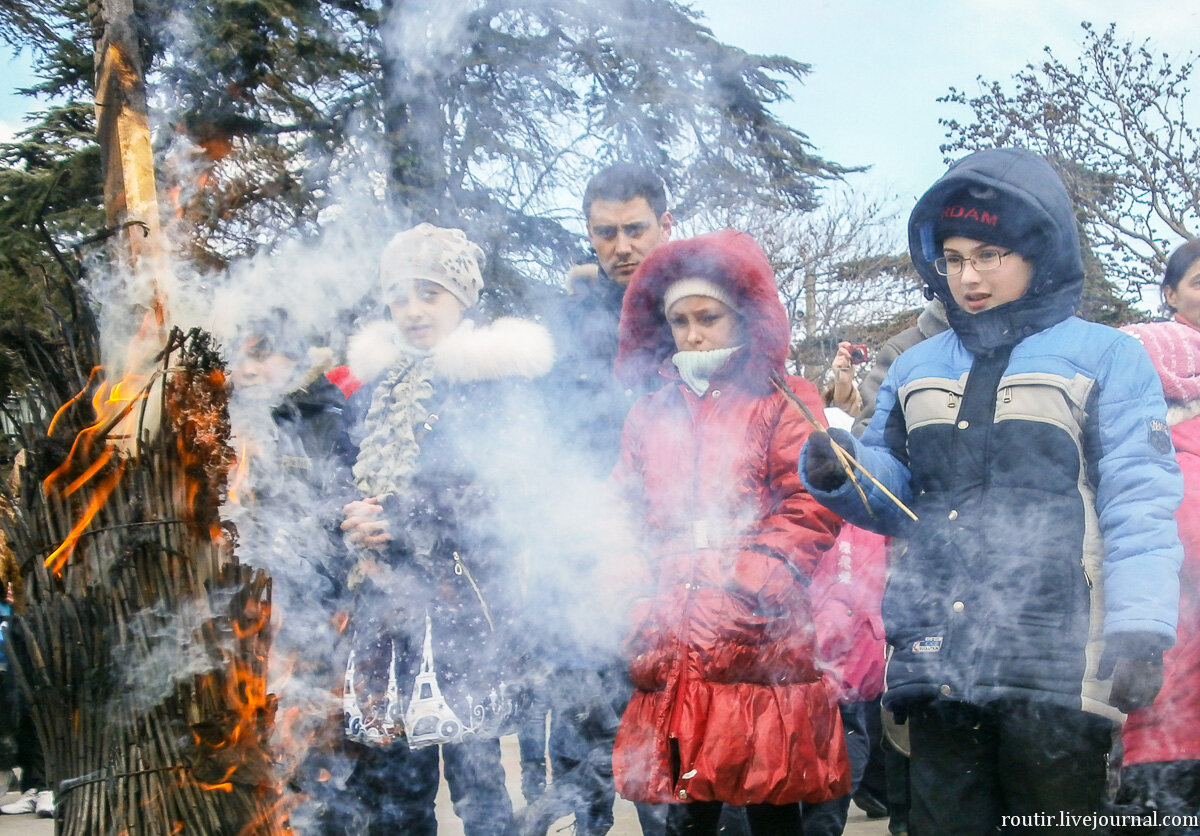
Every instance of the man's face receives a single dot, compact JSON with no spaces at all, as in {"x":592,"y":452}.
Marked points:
{"x":623,"y":233}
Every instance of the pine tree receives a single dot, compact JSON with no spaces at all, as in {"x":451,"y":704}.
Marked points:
{"x":488,"y":114}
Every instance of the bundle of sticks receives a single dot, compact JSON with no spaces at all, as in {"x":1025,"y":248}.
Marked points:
{"x":143,"y":648}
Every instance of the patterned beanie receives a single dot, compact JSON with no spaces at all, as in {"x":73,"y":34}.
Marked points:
{"x":442,"y":256}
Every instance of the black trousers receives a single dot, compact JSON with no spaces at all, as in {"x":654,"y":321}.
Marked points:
{"x":1010,"y":767}
{"x":1153,"y":794}
{"x":703,"y":818}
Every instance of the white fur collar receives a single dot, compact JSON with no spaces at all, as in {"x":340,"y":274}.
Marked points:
{"x":508,"y":347}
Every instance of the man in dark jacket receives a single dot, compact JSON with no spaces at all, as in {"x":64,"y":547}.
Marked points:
{"x":625,"y":207}
{"x":1040,"y":583}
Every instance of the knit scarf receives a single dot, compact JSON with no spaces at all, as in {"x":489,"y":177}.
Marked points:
{"x":697,"y":367}
{"x":387,"y":456}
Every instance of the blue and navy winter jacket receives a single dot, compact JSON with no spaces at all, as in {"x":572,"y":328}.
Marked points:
{"x":1033,"y":448}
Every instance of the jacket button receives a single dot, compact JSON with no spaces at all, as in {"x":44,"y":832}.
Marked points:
{"x":683,"y":795}
{"x":944,"y":690}
{"x":959,"y":606}
{"x":953,"y":515}
{"x":716,"y":393}
{"x":962,"y":425}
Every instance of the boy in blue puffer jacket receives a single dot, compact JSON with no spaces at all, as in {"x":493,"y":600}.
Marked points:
{"x":1040,"y":584}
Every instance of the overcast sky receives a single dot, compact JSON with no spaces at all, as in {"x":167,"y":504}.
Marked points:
{"x":878,"y":66}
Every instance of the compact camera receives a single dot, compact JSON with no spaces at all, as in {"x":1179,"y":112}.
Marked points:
{"x":858,"y":354}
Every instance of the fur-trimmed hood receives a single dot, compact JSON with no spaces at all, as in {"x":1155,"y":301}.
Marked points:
{"x":734,"y":261}
{"x":508,"y":347}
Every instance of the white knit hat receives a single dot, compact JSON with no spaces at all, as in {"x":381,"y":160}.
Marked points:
{"x":442,"y":256}
{"x":696,"y":287}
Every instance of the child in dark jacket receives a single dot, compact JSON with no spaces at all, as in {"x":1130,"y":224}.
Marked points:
{"x":1040,"y":585}
{"x":445,"y":468}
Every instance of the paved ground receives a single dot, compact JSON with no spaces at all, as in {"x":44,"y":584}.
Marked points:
{"x":449,"y":825}
{"x":29,"y":825}
{"x":626,"y":819}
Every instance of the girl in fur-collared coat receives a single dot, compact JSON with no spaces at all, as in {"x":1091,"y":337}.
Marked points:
{"x":730,"y":703}
{"x":446,"y":446}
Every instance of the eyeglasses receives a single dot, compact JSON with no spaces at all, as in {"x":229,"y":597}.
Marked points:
{"x":952,"y":265}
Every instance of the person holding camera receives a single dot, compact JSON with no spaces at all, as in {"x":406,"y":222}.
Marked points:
{"x":842,"y":393}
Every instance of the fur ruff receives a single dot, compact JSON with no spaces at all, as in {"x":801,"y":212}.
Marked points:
{"x":508,"y":347}
{"x":734,"y":262}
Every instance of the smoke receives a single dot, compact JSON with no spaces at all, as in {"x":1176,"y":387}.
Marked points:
{"x":545,"y":506}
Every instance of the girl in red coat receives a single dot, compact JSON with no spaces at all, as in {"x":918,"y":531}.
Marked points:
{"x":1161,"y":771}
{"x":730,"y":704}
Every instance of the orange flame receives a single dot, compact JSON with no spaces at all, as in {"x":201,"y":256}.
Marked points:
{"x":240,"y":471}
{"x":62,"y":409}
{"x":111,"y":405}
{"x":222,"y":787}
{"x":59,"y":557}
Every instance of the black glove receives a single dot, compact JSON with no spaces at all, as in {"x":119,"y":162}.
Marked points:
{"x":1135,"y":683}
{"x":1134,"y":661}
{"x":821,"y":465}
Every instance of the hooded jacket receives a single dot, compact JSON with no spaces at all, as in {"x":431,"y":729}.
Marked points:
{"x":1167,"y":730}
{"x":730,"y":703}
{"x":1033,"y":448}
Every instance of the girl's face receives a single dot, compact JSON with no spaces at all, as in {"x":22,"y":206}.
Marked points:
{"x":1185,"y":296}
{"x":699,"y":323}
{"x":428,"y":314}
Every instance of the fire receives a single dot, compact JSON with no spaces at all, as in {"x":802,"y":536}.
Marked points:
{"x":59,"y":557}
{"x":153,"y":456}
{"x":240,"y":471}
{"x":93,"y":462}
{"x":111,"y":406}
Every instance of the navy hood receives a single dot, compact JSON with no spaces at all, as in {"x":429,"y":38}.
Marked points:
{"x":1051,"y":243}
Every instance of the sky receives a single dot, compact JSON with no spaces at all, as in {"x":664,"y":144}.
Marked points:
{"x":879,"y":66}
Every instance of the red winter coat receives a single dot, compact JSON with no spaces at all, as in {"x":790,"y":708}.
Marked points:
{"x":847,"y":594}
{"x":730,"y":704}
{"x":1169,"y":730}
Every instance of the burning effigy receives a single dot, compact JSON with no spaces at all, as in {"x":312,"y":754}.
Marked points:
{"x":143,"y":649}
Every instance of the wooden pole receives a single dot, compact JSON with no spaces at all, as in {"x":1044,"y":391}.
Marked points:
{"x":130,"y":189}
{"x":123,"y":133}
